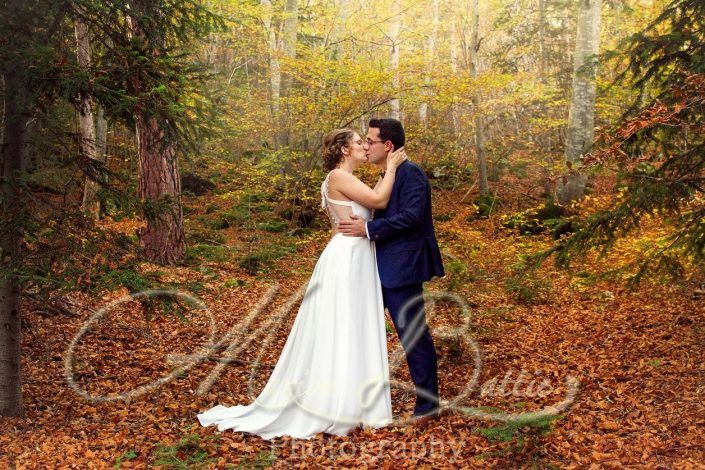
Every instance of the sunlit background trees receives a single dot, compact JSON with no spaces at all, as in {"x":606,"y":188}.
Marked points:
{"x":128,"y":111}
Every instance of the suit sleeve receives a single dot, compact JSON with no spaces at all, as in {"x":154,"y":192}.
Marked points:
{"x":412,"y":200}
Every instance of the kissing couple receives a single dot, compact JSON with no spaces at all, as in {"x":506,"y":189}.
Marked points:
{"x":333,"y":373}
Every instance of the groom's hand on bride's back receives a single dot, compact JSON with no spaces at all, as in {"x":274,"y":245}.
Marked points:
{"x":354,"y":227}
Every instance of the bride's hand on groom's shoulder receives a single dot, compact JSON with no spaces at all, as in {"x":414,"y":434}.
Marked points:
{"x":396,"y":158}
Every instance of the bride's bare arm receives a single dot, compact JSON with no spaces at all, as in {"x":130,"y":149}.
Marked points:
{"x":354,"y":189}
{"x":379,"y":181}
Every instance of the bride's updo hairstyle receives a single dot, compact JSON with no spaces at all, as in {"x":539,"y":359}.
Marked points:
{"x":333,"y":144}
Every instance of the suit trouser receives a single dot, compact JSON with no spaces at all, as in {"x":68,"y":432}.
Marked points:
{"x":406,"y":307}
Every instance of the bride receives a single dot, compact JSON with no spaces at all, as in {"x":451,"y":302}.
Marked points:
{"x":333,"y":373}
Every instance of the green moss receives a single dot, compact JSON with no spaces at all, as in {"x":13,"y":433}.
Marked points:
{"x":129,"y":279}
{"x":486,"y":205}
{"x":208,"y":253}
{"x":230,"y":283}
{"x":190,"y":452}
{"x":442,"y":217}
{"x":253,"y":197}
{"x":528,"y":290}
{"x":261,"y":260}
{"x":458,"y":274}
{"x":220,"y":224}
{"x":273,"y":225}
{"x":238,"y":213}
{"x":260,"y":462}
{"x":234,"y":216}
{"x":549,"y":217}
{"x":519,"y":427}
{"x":206,"y":237}
{"x":263,"y":208}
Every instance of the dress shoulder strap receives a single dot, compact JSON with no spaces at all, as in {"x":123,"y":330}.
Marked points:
{"x":340,"y":203}
{"x":325,"y":199}
{"x":324,"y":192}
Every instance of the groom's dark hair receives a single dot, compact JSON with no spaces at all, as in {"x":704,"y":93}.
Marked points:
{"x":390,"y":129}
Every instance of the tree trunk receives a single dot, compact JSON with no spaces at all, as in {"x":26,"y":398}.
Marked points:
{"x":343,"y":13}
{"x":479,"y":123}
{"x":2,"y":110}
{"x":91,"y":204}
{"x":362,"y":124}
{"x":395,"y":29}
{"x":160,"y":190}
{"x":290,"y":31}
{"x":454,"y":68}
{"x":274,"y":67}
{"x":543,"y":62}
{"x":101,"y":134}
{"x":162,"y":236}
{"x":101,"y":140}
{"x":11,"y":233}
{"x":581,"y":118}
{"x":430,"y":55}
{"x":290,"y":28}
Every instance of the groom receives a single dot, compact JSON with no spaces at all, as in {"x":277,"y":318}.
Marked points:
{"x":407,"y":256}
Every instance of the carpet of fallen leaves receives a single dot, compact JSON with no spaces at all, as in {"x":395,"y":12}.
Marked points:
{"x":638,"y":355}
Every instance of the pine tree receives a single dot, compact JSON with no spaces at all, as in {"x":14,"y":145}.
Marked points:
{"x":659,"y":147}
{"x":137,"y":80}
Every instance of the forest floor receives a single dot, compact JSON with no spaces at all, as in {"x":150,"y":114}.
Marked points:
{"x":638,"y":355}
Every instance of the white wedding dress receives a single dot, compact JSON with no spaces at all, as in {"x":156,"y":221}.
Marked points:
{"x":333,"y":373}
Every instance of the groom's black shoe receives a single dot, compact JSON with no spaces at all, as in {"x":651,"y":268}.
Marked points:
{"x":423,"y":419}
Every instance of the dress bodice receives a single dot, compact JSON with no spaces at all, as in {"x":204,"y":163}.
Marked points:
{"x":341,"y":210}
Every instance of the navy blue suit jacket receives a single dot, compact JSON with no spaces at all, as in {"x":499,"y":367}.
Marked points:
{"x":407,"y":250}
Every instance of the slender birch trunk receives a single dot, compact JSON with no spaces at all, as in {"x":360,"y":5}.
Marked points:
{"x":454,"y":45}
{"x":479,"y":122}
{"x":430,"y":55}
{"x":274,"y":67}
{"x":343,"y":13}
{"x":581,"y":118}
{"x":91,"y":204}
{"x":290,"y":30}
{"x":543,"y":62}
{"x":101,"y":133}
{"x":395,"y":29}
